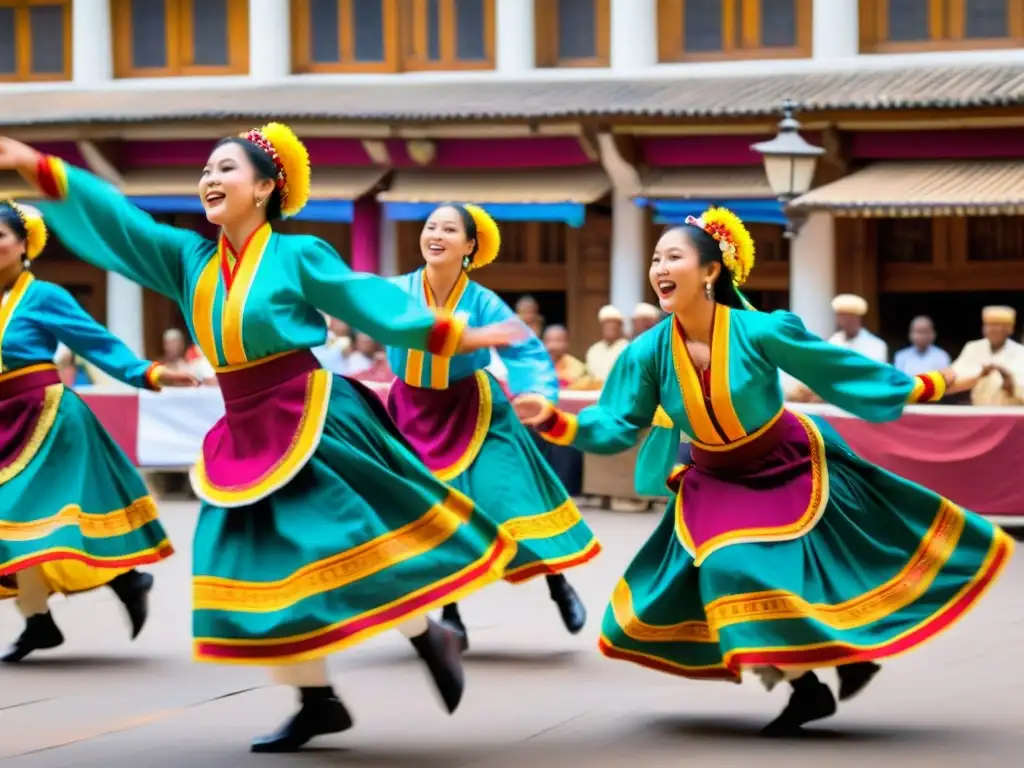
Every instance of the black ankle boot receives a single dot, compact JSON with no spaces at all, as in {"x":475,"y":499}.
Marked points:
{"x":40,"y":634}
{"x":321,"y":712}
{"x":439,"y":648}
{"x":854,"y":678}
{"x":132,"y":589}
{"x":811,"y":700}
{"x":571,"y":608}
{"x":450,"y":616}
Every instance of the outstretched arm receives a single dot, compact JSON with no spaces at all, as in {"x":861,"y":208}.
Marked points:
{"x":530,"y":368}
{"x":873,"y":391}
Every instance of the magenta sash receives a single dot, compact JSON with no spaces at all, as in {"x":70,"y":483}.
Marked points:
{"x":771,"y":487}
{"x":22,"y":402}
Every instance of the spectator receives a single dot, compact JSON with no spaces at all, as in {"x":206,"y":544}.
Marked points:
{"x":361,"y":357}
{"x":997,"y":359}
{"x":528,"y":310}
{"x":852,"y":334}
{"x":177,"y":358}
{"x":379,"y":371}
{"x":602,"y":354}
{"x":922,"y":355}
{"x":645,"y":317}
{"x":333,"y":353}
{"x":568,"y":368}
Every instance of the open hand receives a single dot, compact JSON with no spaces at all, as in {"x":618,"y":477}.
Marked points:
{"x":956,"y":384}
{"x":168,"y":378}
{"x":532,"y":410}
{"x":16,"y":156}
{"x":497,"y":335}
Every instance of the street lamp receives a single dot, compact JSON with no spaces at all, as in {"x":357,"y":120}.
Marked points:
{"x":789,"y":164}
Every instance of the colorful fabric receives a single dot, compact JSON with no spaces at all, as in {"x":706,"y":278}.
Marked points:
{"x":840,"y":561}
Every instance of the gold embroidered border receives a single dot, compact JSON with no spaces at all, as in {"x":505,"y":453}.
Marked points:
{"x":47,"y":416}
{"x":120,"y":522}
{"x":545,"y":525}
{"x":484,"y":412}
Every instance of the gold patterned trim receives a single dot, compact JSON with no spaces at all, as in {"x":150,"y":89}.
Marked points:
{"x":47,"y":416}
{"x":480,"y":429}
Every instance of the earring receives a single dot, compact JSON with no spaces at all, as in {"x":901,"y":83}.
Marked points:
{"x":709,"y":291}
{"x":259,"y":202}
{"x":466,"y":261}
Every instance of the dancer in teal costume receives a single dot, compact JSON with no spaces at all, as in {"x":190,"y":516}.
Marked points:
{"x":781,"y":551}
{"x":319,"y":526}
{"x":457,"y":416}
{"x":74,"y":513}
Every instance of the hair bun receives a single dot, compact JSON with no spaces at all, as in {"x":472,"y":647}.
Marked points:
{"x":292,"y":160}
{"x":488,"y":237}
{"x":35,"y":228}
{"x":733,"y":238}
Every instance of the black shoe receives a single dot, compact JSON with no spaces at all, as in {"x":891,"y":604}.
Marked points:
{"x":132,"y":589}
{"x":854,"y":678}
{"x":321,"y":713}
{"x":439,"y":647}
{"x":451,"y":618}
{"x":41,"y":634}
{"x":571,"y":608}
{"x":811,"y":700}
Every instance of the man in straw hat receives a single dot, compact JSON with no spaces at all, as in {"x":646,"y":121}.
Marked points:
{"x":996,"y":359}
{"x":645,"y":317}
{"x":602,"y":354}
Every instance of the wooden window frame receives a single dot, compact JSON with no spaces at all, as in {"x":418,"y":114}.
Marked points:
{"x":670,"y":33}
{"x":546,"y":36}
{"x":874,"y":29}
{"x":23,"y":40}
{"x":414,"y":34}
{"x":178,"y":39}
{"x":302,"y":44}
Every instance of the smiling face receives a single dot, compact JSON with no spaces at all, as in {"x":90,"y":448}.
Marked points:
{"x":12,"y":249}
{"x":443,"y":239}
{"x":229,"y":187}
{"x":676,"y":273}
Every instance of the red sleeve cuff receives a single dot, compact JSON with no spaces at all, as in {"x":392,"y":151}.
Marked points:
{"x":559,"y":428}
{"x":52,"y":177}
{"x":152,"y":373}
{"x":445,"y":336}
{"x":928,"y":388}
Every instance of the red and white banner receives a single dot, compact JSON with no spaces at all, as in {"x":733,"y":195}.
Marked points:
{"x":968,"y":454}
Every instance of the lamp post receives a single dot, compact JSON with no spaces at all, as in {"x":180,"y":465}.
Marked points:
{"x":789,"y":164}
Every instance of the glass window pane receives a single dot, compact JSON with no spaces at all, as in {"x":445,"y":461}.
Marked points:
{"x":324,"y":40}
{"x":986,"y":18}
{"x":8,"y":43}
{"x":577,"y":29}
{"x":908,"y":21}
{"x":778,"y":24}
{"x":47,"y":35}
{"x":469,"y":30}
{"x":702,"y":26}
{"x":904,"y":241}
{"x":149,"y":34}
{"x":368,"y":20}
{"x":210,"y":33}
{"x":433,"y":30}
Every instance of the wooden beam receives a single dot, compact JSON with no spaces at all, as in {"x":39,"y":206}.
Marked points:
{"x":99,"y":163}
{"x":624,"y":175}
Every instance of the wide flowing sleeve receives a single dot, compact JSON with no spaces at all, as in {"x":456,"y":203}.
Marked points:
{"x":75,"y":328}
{"x":626,"y":406}
{"x":873,"y":391}
{"x":530,"y":368}
{"x":372,"y":304}
{"x":100,"y":226}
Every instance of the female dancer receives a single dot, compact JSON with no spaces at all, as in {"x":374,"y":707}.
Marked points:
{"x":74,"y":513}
{"x":782,"y":551}
{"x":457,"y":416}
{"x":319,"y":527}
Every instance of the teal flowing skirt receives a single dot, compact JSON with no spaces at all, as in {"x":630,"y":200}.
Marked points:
{"x":363,"y":538}
{"x":74,"y":505}
{"x":887,"y":566}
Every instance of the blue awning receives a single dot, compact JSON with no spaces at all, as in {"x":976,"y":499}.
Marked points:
{"x":675,"y":211}
{"x":315,"y":210}
{"x":572,"y":214}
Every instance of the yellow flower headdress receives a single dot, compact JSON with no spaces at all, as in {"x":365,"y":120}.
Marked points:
{"x":488,"y":237}
{"x":35,"y":228}
{"x":291,"y":160}
{"x":733,"y":238}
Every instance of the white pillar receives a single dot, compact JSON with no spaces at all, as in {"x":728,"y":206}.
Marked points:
{"x":124,"y":311}
{"x":634,"y":35}
{"x":835,"y":29}
{"x":812,"y":274}
{"x":628,"y":257}
{"x":513,"y":25}
{"x":92,"y":43}
{"x":270,"y":40}
{"x":388,"y":247}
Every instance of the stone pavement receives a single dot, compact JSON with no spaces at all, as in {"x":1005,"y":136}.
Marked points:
{"x":536,"y":695}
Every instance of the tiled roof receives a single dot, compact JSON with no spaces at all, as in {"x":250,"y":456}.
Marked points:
{"x":924,"y":189}
{"x":706,"y":183}
{"x":946,"y":87}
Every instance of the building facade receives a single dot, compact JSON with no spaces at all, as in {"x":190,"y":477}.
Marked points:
{"x":585,"y":125}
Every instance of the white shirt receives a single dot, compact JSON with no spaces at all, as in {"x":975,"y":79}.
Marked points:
{"x":989,"y":390}
{"x":864,"y":342}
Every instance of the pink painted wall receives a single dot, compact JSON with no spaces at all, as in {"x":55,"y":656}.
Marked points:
{"x":669,"y":151}
{"x":366,"y":235}
{"x":66,"y":150}
{"x":938,"y":145}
